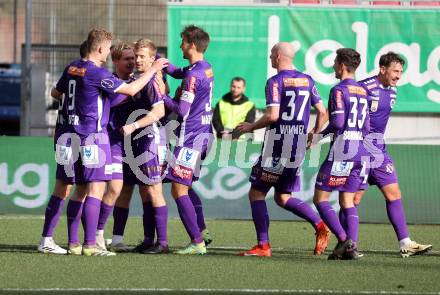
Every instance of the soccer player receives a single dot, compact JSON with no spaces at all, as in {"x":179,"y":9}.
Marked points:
{"x":62,"y":189}
{"x":88,"y":90}
{"x":382,"y":93}
{"x":193,"y":108}
{"x":152,"y":148}
{"x":123,"y":58}
{"x":344,"y":170}
{"x":289,"y":96}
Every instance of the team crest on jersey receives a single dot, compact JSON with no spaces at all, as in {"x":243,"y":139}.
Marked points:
{"x":374,"y":106}
{"x":187,"y":158}
{"x":107,"y":83}
{"x":392,"y":103}
{"x":273,"y":165}
{"x":341,"y":168}
{"x":63,"y":154}
{"x":89,"y":155}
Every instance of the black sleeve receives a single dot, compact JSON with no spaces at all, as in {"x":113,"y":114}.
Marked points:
{"x":250,"y":117}
{"x":216,"y":120}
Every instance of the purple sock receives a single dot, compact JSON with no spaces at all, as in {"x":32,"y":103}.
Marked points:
{"x":52,"y":215}
{"x":352,"y":221}
{"x":92,"y":207}
{"x":104,"y":213}
{"x":120,"y":216}
{"x":396,"y":215}
{"x":195,"y":199}
{"x":188,"y":216}
{"x":73,"y":212}
{"x":343,"y":219}
{"x":260,"y":217}
{"x":148,"y":222}
{"x":161,"y":219}
{"x":303,"y":210}
{"x":330,"y":218}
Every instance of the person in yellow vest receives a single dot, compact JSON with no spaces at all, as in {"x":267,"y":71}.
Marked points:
{"x":232,"y":109}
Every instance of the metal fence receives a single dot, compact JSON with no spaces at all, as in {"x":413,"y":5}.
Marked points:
{"x":55,"y":29}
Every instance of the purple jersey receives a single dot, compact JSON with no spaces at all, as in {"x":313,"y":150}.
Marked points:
{"x":382,"y":100}
{"x":348,"y":101}
{"x":196,"y":90}
{"x":294,"y":93}
{"x":119,"y":115}
{"x":88,"y":90}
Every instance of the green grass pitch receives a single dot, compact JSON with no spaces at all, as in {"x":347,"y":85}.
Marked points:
{"x":292,"y":269}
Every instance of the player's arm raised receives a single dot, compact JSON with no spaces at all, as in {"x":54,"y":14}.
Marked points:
{"x":136,"y":86}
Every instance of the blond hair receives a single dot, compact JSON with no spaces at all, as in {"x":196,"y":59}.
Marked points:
{"x":146,"y":43}
{"x":117,"y":49}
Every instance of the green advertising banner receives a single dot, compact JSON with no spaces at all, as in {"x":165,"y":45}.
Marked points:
{"x":241,"y":39}
{"x":27,"y":176}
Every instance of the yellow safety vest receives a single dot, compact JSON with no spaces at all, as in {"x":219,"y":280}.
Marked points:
{"x":233,"y":114}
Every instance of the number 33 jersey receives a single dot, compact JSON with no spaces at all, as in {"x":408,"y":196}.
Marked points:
{"x":349,"y":99}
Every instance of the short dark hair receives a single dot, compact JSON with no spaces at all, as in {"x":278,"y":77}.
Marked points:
{"x":238,"y":79}
{"x":83,"y":49}
{"x":388,"y":58}
{"x":196,"y":35}
{"x":349,"y":57}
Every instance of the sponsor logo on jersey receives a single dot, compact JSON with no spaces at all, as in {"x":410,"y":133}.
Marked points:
{"x":77,"y":71}
{"x":296,"y":82}
{"x":182,"y":172}
{"x":275,"y":92}
{"x":192,"y":84}
{"x":338,"y":99}
{"x":107,"y":83}
{"x":356,"y":90}
{"x":337,"y":181}
{"x":209,"y":73}
{"x":269,"y":177}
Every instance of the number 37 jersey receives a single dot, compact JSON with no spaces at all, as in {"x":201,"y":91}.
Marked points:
{"x":294,"y":93}
{"x":349,"y":100}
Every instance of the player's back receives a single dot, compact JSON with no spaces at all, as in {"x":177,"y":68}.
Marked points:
{"x":199,"y":80}
{"x":86,"y":88}
{"x":294,"y":92}
{"x":350,"y":99}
